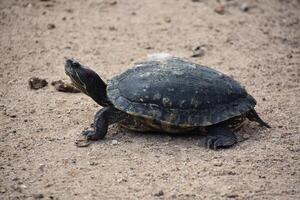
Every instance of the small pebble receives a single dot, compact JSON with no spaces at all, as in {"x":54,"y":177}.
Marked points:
{"x":93,"y":163}
{"x":29,"y":5}
{"x":38,"y":196}
{"x":15,"y":179}
{"x":220,"y":9}
{"x":232,"y":196}
{"x":198,"y":51}
{"x":82,"y":142}
{"x":69,"y":10}
{"x":244,"y":7}
{"x":51,"y":26}
{"x":167,"y":20}
{"x":219,"y":164}
{"x":112,"y":28}
{"x":41,"y":167}
{"x":114,"y":142}
{"x":159,"y":193}
{"x":113,"y":3}
{"x":2,"y":190}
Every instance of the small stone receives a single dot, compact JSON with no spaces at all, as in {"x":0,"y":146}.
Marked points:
{"x":15,"y":179}
{"x":112,"y":28}
{"x":159,"y":193}
{"x":51,"y":26}
{"x":93,"y":163}
{"x":23,"y":186}
{"x":148,"y":47}
{"x":37,"y":83}
{"x":220,"y":9}
{"x":198,"y":51}
{"x":38,"y":196}
{"x":114,"y":142}
{"x":82,"y":142}
{"x":42,"y":167}
{"x":17,"y":188}
{"x":244,"y":7}
{"x":113,"y":3}
{"x":69,"y":10}
{"x":2,"y":190}
{"x":231,"y":196}
{"x":122,"y":180}
{"x":167,"y":20}
{"x":219,"y":164}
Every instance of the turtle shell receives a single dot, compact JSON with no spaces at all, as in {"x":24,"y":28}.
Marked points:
{"x":178,"y":92}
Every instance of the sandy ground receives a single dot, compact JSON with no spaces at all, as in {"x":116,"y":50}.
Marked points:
{"x":259,"y":48}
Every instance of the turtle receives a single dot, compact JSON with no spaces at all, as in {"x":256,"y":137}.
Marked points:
{"x":168,"y":94}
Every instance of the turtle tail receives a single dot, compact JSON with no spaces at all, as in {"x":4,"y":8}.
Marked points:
{"x":253,"y":116}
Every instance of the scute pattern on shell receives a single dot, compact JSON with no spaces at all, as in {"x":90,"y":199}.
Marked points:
{"x":179,"y":92}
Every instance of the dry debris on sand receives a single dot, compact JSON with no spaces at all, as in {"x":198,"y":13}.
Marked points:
{"x":256,"y":42}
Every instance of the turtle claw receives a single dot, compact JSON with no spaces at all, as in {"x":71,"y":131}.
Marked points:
{"x":219,"y":137}
{"x":91,"y":135}
{"x":216,"y":142}
{"x":86,"y":132}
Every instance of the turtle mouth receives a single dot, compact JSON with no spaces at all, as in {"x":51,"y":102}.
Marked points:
{"x":73,"y":69}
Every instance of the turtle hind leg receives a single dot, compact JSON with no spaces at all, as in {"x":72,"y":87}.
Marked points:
{"x":218,"y":136}
{"x":253,"y":116}
{"x":103,"y":118}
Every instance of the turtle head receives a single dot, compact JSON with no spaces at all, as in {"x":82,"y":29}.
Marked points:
{"x":87,"y":81}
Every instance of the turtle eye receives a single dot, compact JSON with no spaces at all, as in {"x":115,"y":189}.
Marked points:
{"x":76,"y":64}
{"x":72,"y":63}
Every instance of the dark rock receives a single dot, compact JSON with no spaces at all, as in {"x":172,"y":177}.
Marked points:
{"x":37,"y":83}
{"x":113,"y":3}
{"x":64,"y":87}
{"x":38,"y":196}
{"x":51,"y":26}
{"x":159,"y":193}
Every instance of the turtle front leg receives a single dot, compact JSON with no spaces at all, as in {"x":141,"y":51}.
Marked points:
{"x":218,"y":136}
{"x":103,"y":118}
